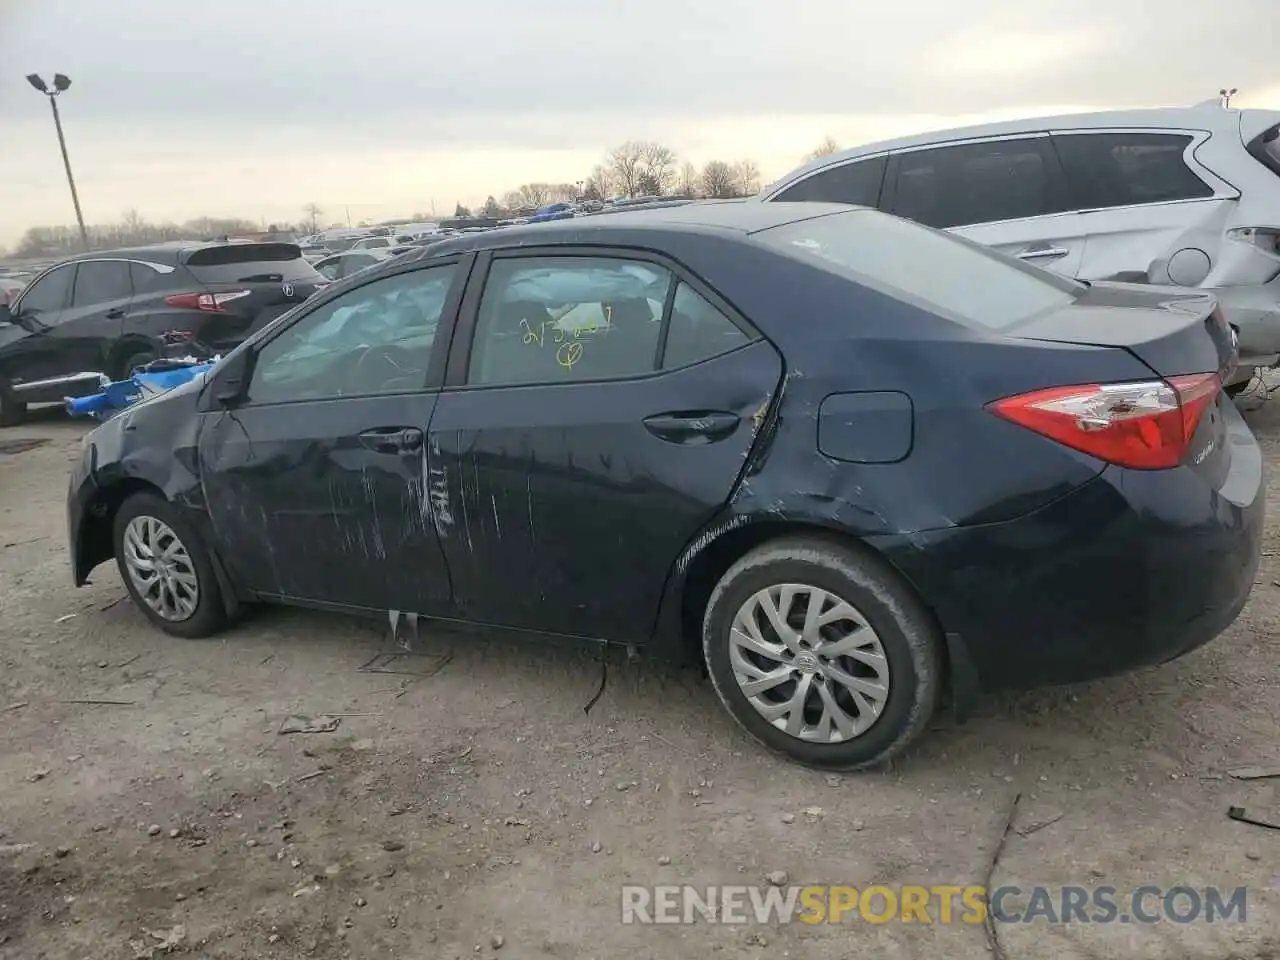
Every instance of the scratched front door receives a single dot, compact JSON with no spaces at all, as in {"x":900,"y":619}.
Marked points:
{"x":317,"y":484}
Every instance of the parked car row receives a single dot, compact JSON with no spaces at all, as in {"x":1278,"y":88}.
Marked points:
{"x":109,"y":312}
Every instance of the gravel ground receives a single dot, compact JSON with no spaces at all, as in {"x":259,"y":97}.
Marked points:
{"x":469,"y":807}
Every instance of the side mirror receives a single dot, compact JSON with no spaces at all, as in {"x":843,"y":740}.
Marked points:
{"x":232,"y":384}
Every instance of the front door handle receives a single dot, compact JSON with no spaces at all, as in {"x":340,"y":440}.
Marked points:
{"x":392,"y":439}
{"x":692,"y":427}
{"x":116,"y":314}
{"x":1042,"y":253}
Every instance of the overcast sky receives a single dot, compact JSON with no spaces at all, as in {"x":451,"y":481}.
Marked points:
{"x":256,"y":107}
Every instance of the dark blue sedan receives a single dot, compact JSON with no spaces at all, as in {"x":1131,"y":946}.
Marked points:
{"x":847,"y":462}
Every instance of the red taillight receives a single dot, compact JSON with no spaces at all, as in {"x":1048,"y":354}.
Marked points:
{"x":208,"y":302}
{"x":1144,"y":426}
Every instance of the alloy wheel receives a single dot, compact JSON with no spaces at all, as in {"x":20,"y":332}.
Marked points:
{"x":161,"y":568}
{"x":809,"y":663}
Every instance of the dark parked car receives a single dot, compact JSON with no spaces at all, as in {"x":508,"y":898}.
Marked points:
{"x":758,"y":435}
{"x":112,"y":311}
{"x":342,"y":265}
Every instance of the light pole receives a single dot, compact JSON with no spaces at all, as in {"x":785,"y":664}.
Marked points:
{"x":60,"y":83}
{"x":1226,"y":96}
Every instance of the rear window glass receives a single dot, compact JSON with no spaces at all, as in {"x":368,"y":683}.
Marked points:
{"x":1266,"y":149}
{"x":248,"y":262}
{"x":947,"y":274}
{"x":1124,"y":169}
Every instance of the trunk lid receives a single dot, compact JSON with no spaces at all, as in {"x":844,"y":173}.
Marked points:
{"x":1173,"y":331}
{"x":255,"y":283}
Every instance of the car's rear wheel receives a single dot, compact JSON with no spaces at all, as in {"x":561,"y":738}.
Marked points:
{"x":12,"y":411}
{"x":822,"y":652}
{"x":166,"y":568}
{"x":130,"y":364}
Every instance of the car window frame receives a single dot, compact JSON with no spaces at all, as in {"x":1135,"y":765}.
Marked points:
{"x":1053,"y":168}
{"x":432,"y":381}
{"x":119,"y":262}
{"x":1223,"y":189}
{"x":66,"y":300}
{"x":464,"y":332}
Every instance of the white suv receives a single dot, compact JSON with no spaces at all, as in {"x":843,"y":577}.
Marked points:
{"x":1186,"y":197}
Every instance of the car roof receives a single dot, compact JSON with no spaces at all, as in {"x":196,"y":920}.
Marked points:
{"x":1209,"y":116}
{"x":709,"y":216}
{"x":172,"y":251}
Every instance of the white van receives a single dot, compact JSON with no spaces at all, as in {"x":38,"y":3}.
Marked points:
{"x":1185,"y":197}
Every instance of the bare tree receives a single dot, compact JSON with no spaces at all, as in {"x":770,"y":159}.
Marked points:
{"x":658,"y":166}
{"x":827,"y":147}
{"x":599,"y":184}
{"x":534,"y":194}
{"x":313,"y":213}
{"x":625,"y":164}
{"x":718,"y":179}
{"x":688,"y":181}
{"x":747,"y":177}
{"x":133,"y":224}
{"x":491,"y":208}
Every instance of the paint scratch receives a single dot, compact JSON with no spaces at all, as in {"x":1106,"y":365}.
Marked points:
{"x":496,"y":526}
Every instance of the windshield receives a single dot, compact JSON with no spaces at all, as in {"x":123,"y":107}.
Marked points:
{"x":952,"y":276}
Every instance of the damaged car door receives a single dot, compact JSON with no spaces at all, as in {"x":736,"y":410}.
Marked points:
{"x":599,"y":411}
{"x":315,"y":477}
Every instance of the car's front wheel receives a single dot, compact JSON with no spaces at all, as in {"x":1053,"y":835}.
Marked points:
{"x":166,"y":568}
{"x":821,"y":651}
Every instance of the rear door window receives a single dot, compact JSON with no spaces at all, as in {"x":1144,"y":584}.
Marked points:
{"x":1127,"y":169}
{"x":857,"y":182}
{"x":977,"y":183}
{"x":1265,"y":148}
{"x":948,"y":275}
{"x":101,"y":281}
{"x":250,"y":262}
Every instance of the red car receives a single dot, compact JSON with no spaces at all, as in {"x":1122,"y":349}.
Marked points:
{"x":10,"y":287}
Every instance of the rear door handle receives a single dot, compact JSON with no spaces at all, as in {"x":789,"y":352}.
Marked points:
{"x":116,"y":314}
{"x":392,"y":439}
{"x":1039,"y":253}
{"x":692,"y":427}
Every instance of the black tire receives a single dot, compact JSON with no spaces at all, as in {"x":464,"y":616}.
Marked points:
{"x":911,"y":640}
{"x":138,"y":358}
{"x":12,"y":412}
{"x":209,"y":615}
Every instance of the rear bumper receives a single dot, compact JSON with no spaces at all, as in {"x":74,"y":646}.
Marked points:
{"x":1255,"y":312}
{"x":1133,"y":568}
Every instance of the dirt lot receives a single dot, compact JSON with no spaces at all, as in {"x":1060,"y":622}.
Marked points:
{"x":479,"y":812}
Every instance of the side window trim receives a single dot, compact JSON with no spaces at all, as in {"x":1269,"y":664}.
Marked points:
{"x":1060,"y":189}
{"x":463,"y":337}
{"x":444,"y":329}
{"x":1223,"y":189}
